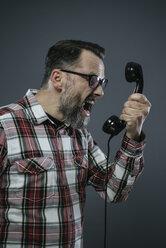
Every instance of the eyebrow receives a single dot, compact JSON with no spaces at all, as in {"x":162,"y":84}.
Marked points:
{"x":92,"y":73}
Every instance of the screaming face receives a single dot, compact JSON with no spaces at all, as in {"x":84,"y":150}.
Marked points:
{"x":78,"y":97}
{"x":75,"y":112}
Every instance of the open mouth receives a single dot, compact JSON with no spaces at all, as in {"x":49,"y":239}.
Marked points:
{"x":87,"y":107}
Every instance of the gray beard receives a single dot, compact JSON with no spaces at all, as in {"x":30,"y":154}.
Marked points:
{"x":73,"y":114}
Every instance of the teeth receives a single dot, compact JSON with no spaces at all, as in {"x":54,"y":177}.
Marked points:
{"x":91,"y":102}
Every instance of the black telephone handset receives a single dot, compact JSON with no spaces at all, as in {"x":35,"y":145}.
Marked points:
{"x":133,"y":73}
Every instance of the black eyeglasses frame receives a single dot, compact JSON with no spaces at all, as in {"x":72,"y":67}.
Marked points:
{"x":100,"y":81}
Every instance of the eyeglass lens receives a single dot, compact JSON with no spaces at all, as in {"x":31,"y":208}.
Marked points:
{"x":95,"y":81}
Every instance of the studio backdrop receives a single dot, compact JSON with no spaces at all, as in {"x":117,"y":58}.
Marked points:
{"x":129,"y":31}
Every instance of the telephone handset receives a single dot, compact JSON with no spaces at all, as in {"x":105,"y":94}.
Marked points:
{"x":133,"y":73}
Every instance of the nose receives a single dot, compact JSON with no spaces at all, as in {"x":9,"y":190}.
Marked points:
{"x":98,"y":92}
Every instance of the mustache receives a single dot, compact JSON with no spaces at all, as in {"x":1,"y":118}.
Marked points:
{"x":90,"y":98}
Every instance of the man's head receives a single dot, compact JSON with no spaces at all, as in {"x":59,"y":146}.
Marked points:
{"x":74,"y":77}
{"x":66,"y":54}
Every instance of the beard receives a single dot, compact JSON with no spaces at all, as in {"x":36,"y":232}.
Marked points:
{"x":71,"y":108}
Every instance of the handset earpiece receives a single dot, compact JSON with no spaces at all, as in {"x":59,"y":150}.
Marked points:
{"x":133,"y":73}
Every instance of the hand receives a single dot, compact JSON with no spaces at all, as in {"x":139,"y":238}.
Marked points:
{"x":134,"y":113}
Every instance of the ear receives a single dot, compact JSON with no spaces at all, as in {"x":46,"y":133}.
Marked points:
{"x":56,"y":79}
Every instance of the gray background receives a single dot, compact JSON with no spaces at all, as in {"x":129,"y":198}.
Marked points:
{"x":130,"y":31}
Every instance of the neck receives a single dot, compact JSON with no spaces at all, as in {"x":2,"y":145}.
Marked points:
{"x":49,"y":101}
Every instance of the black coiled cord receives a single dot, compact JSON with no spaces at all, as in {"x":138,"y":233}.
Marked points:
{"x":106,"y":182}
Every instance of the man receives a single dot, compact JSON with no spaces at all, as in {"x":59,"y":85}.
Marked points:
{"x":47,"y":156}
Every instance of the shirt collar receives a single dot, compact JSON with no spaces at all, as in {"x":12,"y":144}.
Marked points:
{"x":35,"y":110}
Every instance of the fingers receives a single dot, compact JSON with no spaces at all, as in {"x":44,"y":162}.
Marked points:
{"x":134,"y":113}
{"x":132,"y":119}
{"x":133,"y":105}
{"x":136,"y":106}
{"x":140,"y":98}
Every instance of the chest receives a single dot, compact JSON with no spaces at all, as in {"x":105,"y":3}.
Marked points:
{"x":43,"y":159}
{"x":25,"y":140}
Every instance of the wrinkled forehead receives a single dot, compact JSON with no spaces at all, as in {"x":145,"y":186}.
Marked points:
{"x":90,"y":63}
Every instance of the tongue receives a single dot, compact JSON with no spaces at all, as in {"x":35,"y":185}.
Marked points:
{"x":85,"y":113}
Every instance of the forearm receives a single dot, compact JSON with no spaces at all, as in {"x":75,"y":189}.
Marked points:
{"x":128,"y":165}
{"x":123,"y":173}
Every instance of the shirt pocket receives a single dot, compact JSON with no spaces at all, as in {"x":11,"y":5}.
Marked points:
{"x":33,"y":179}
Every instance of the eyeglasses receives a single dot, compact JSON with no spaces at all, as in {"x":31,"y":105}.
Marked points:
{"x":94,"y":80}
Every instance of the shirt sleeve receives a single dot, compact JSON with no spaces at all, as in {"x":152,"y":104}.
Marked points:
{"x":3,"y":150}
{"x":122,"y":173}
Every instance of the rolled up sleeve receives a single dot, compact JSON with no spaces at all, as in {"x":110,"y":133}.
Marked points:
{"x":122,"y":173}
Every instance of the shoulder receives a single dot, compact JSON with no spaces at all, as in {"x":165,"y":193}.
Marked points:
{"x":12,"y":109}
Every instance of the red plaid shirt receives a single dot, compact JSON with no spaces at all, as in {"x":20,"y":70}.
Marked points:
{"x":44,"y":171}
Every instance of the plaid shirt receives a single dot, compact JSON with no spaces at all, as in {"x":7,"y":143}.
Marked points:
{"x":44,"y":171}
